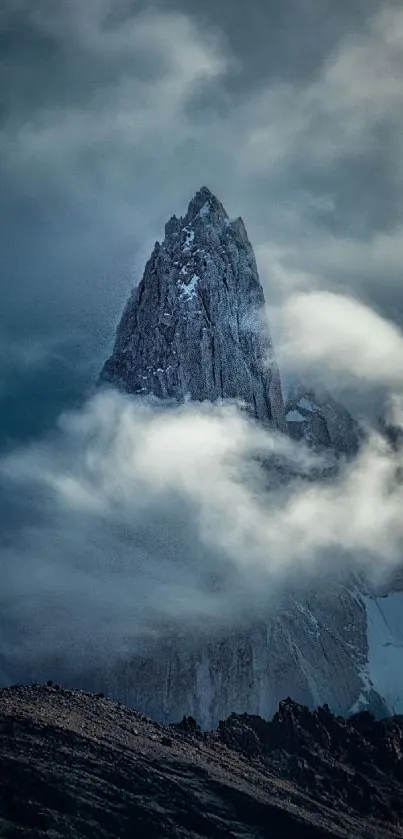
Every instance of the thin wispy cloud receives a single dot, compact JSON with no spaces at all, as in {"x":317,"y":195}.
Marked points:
{"x":339,"y":334}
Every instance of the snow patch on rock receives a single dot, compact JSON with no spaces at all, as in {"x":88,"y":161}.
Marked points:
{"x":189,"y":289}
{"x":205,"y":210}
{"x":306,"y":403}
{"x":294,"y":416}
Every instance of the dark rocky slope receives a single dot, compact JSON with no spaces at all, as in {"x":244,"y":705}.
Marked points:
{"x":74,"y":764}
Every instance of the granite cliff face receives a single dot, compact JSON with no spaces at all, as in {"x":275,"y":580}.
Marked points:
{"x":339,"y":644}
{"x":195,"y":326}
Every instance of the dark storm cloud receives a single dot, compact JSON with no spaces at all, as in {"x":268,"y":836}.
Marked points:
{"x":279,"y":41}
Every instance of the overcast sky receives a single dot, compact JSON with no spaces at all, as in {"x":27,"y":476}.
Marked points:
{"x":115,"y":113}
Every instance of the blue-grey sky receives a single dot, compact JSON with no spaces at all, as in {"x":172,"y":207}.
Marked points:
{"x":113,"y":114}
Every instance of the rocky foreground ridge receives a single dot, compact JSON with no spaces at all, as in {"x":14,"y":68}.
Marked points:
{"x":75,"y":764}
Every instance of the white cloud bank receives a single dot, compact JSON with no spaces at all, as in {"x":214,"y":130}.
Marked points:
{"x":335,"y":333}
{"x":144,"y":516}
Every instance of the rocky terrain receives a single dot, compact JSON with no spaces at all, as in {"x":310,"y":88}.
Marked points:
{"x":74,"y":764}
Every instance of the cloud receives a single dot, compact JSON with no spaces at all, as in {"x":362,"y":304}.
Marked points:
{"x":129,"y":113}
{"x":159,"y":62}
{"x":147,"y":517}
{"x":328,"y":150}
{"x":140,"y":517}
{"x":337,"y":263}
{"x":94,"y":166}
{"x":341,"y":335}
{"x":356,"y":91}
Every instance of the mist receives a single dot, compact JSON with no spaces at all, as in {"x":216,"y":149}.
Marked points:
{"x":136,"y":518}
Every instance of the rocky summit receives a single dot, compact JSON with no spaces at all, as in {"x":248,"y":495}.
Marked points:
{"x":74,"y":764}
{"x":195,"y":326}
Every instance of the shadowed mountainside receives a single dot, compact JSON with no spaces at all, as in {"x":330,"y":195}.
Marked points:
{"x":74,"y":764}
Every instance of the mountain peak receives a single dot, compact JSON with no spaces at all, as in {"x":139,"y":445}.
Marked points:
{"x":194,"y":328}
{"x":205,"y":202}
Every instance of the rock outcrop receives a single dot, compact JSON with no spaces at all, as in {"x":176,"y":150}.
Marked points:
{"x":321,"y":421}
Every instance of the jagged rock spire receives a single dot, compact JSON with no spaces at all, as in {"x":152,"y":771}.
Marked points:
{"x":195,"y":327}
{"x":198,"y":203}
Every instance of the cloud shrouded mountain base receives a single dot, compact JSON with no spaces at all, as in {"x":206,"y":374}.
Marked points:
{"x":144,"y":522}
